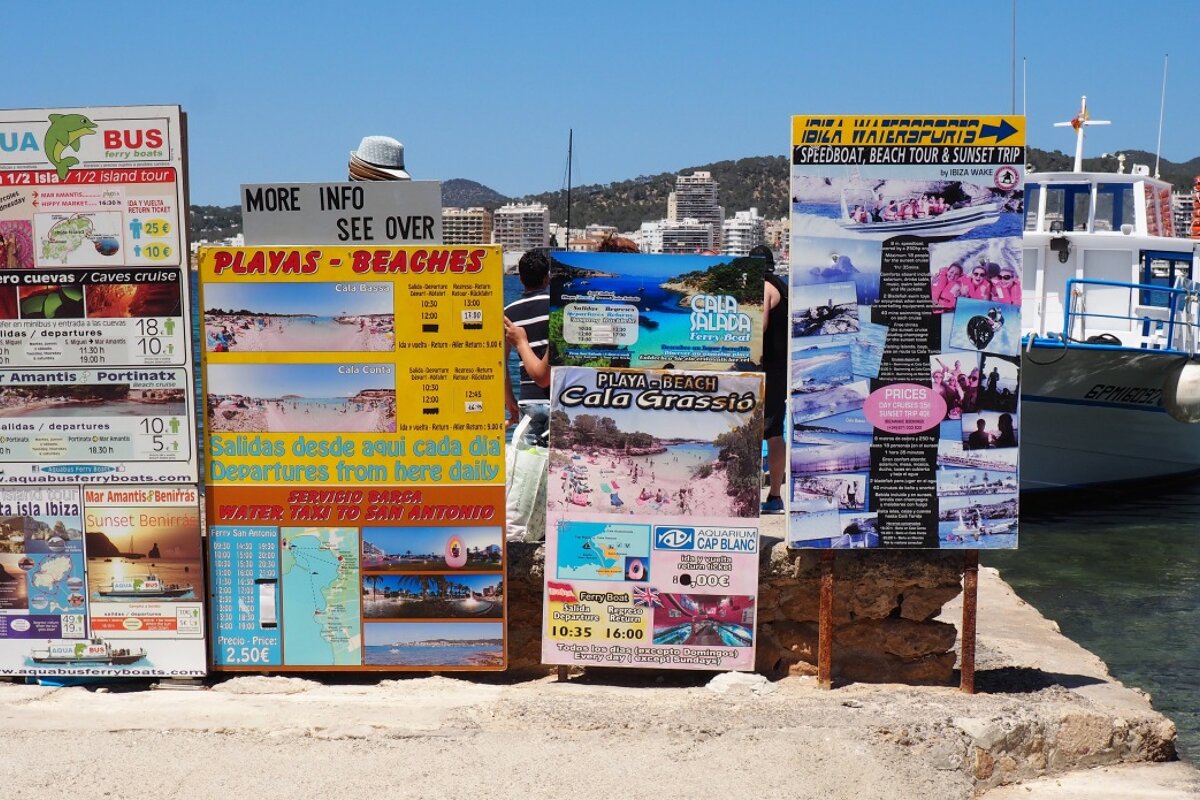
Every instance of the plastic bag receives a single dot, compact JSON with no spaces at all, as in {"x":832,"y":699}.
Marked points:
{"x":525,"y":488}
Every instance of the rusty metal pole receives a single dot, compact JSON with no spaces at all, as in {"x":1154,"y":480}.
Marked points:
{"x":825,"y":623}
{"x":562,"y":674}
{"x":970,"y":609}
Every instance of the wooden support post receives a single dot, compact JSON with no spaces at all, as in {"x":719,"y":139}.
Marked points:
{"x":562,"y":674}
{"x":970,"y":609}
{"x":825,"y":623}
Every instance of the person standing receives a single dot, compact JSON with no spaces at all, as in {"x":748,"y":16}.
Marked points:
{"x":775,"y":361}
{"x":527,"y":331}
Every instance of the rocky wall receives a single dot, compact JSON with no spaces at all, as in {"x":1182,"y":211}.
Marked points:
{"x":884,"y":605}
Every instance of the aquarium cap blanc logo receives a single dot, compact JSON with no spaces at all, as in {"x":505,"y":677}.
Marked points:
{"x":667,"y":538}
{"x":718,"y":315}
{"x":64,"y":133}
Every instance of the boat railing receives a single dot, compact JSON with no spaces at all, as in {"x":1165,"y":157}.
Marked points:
{"x":1170,"y":323}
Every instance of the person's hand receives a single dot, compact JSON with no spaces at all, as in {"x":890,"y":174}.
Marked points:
{"x":514,"y":333}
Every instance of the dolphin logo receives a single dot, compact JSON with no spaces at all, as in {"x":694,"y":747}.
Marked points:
{"x":65,"y":131}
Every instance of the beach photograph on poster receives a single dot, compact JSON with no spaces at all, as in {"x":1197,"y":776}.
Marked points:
{"x":613,"y":452}
{"x":415,"y":644}
{"x":51,"y":301}
{"x":143,"y":553}
{"x":986,"y":326}
{"x":433,"y":548}
{"x":824,"y":309}
{"x":878,"y":202}
{"x":828,"y":260}
{"x":668,"y":305}
{"x":847,"y":426}
{"x":704,"y":620}
{"x":90,"y":400}
{"x":432,"y":596}
{"x":989,"y":429}
{"x":845,"y":492}
{"x":974,"y":521}
{"x":132,"y":300}
{"x":298,"y":317}
{"x":977,"y":269}
{"x":16,"y":244}
{"x":294,"y":398}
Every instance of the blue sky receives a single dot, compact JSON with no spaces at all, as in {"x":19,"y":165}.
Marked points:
{"x":283,"y":91}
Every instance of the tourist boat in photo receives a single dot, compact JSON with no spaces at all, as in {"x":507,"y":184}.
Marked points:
{"x":948,"y":223}
{"x":147,"y":587}
{"x":93,"y":651}
{"x":1109,"y":370}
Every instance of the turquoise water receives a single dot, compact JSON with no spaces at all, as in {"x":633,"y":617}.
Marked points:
{"x":455,"y":656}
{"x":1121,"y":576}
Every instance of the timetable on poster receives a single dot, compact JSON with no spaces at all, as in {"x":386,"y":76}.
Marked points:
{"x":905,"y":303}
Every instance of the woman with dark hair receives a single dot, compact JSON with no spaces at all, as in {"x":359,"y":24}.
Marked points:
{"x":1008,"y":435}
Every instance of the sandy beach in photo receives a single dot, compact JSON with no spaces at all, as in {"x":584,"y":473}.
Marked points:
{"x":298,"y":317}
{"x":357,"y":414}
{"x":664,"y":483}
{"x":364,"y":332}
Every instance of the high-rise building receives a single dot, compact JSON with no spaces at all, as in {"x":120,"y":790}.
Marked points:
{"x":676,"y":236}
{"x":519,"y":226}
{"x":775,"y":233}
{"x":697,"y":196}
{"x":466,"y":225}
{"x":741,"y":232}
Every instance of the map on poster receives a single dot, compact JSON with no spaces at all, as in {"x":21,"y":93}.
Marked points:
{"x":905,"y":298}
{"x":101,"y":581}
{"x":321,"y":586}
{"x":652,"y":518}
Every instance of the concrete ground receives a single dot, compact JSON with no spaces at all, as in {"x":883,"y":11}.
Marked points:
{"x":1045,"y":707}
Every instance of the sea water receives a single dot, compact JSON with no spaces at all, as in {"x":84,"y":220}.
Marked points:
{"x":1120,"y":574}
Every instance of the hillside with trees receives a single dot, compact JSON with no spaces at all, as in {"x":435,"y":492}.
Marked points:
{"x":760,"y":182}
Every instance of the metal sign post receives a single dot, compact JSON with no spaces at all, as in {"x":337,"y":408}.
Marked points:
{"x":970,"y":608}
{"x":825,"y":623}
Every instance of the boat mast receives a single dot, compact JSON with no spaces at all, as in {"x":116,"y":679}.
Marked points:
{"x":1162,"y":106}
{"x":570,"y":147}
{"x":1080,"y":122}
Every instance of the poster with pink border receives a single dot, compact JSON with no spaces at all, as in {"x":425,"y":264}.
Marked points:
{"x":652,"y":525}
{"x":905,"y":305}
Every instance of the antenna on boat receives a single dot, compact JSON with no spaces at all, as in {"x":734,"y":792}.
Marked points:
{"x":570,"y":155}
{"x":1079,"y":122}
{"x":1162,"y":105}
{"x":1014,"y":57}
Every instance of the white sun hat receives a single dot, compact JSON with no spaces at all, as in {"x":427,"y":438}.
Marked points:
{"x":378,"y":158}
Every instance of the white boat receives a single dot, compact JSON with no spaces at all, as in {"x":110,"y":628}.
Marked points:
{"x":949,"y":223}
{"x":93,"y":651}
{"x":1109,"y":315}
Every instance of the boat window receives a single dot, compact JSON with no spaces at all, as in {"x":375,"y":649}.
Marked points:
{"x":1069,"y":205}
{"x":1031,"y":206}
{"x":1114,"y":206}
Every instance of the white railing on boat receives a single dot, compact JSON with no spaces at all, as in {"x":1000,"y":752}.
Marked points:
{"x":1169,"y":318}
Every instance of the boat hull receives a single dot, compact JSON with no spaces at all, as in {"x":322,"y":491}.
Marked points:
{"x":1092,"y":416}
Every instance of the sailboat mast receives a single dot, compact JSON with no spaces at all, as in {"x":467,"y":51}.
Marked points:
{"x":570,"y":146}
